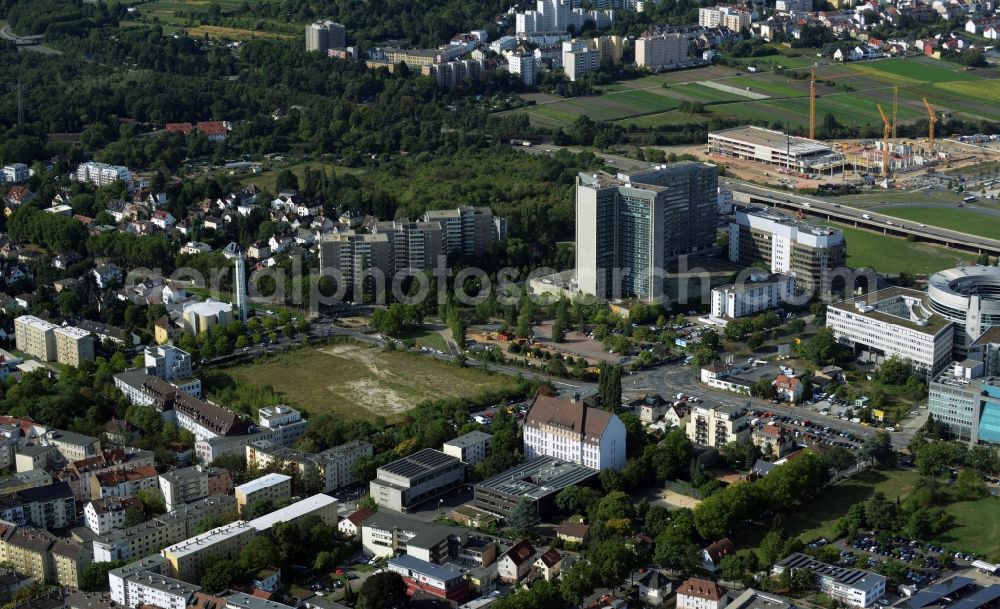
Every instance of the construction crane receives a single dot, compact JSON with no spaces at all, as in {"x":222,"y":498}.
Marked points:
{"x":887,"y":131}
{"x":812,"y":105}
{"x":932,"y":120}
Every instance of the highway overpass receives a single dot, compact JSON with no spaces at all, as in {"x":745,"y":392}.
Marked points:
{"x":828,"y":209}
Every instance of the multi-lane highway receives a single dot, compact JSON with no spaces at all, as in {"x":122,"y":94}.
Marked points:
{"x":829,"y":209}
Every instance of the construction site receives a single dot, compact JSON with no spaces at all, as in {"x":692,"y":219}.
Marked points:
{"x":767,"y":155}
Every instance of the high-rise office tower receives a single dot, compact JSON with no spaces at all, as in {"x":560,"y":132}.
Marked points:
{"x":629,"y":226}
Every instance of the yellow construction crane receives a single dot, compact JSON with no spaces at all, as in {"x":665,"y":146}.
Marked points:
{"x":887,"y":131}
{"x":932,"y":120}
{"x":812,"y":105}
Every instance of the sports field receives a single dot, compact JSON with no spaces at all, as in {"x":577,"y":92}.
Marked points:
{"x":360,"y":382}
{"x":850,"y":92}
{"x":964,"y":220}
{"x":893,"y":255}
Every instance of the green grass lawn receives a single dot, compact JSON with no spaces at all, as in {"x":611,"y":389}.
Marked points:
{"x":818,"y":518}
{"x":893,"y":255}
{"x":357,"y":381}
{"x":424,"y":337}
{"x":977,"y":527}
{"x":964,"y":220}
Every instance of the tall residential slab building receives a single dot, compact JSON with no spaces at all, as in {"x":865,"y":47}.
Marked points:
{"x":325,"y":35}
{"x":415,"y":245}
{"x":657,"y":52}
{"x":35,"y":337}
{"x":629,"y":226}
{"x":813,"y":254}
{"x":467,"y":230}
{"x":357,"y":257}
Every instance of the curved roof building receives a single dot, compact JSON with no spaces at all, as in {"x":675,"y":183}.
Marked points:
{"x":969,"y":296}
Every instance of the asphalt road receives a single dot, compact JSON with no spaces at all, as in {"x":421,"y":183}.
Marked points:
{"x":7,"y":34}
{"x":836,"y":211}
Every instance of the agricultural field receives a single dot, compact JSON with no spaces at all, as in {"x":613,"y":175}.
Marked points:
{"x":963,"y":220}
{"x":358,"y":381}
{"x":893,"y":255}
{"x":850,"y":92}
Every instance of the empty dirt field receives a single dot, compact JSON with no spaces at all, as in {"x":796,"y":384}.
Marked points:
{"x":361,"y":382}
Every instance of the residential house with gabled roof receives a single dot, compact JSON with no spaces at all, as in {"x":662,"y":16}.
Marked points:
{"x":549,"y":564}
{"x":516,"y":563}
{"x":654,"y":587}
{"x":788,"y":388}
{"x":711,"y":556}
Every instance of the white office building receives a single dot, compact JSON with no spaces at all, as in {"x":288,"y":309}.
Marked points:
{"x":470,"y":448}
{"x":894,"y":321}
{"x":851,"y":587}
{"x":570,"y":430}
{"x":759,"y":292}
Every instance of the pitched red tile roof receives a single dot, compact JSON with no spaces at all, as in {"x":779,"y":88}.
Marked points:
{"x":720,"y":549}
{"x":567,"y":414}
{"x":521,"y":552}
{"x":701,"y":588}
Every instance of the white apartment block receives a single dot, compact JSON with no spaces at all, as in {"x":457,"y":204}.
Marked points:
{"x":662,"y":51}
{"x":579,"y":59}
{"x":149,"y":588}
{"x":851,"y":587}
{"x":524,"y":65}
{"x":569,"y":429}
{"x":167,"y":362}
{"x":104,"y":515}
{"x":102,"y":174}
{"x":470,"y":448}
{"x":73,"y":345}
{"x":35,"y":337}
{"x":760,"y":292}
{"x":736,"y":18}
{"x":16,"y":173}
{"x":718,"y":425}
{"x":285,"y":423}
{"x":118,"y":578}
{"x":894,"y":321}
